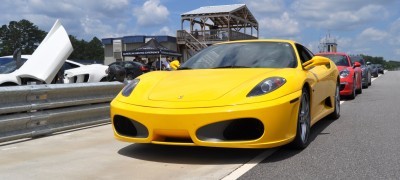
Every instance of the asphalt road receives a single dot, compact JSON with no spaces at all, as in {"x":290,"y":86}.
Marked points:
{"x":362,"y":144}
{"x":93,"y":153}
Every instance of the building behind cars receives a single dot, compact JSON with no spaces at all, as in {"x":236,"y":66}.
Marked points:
{"x":224,"y":23}
{"x":114,"y":47}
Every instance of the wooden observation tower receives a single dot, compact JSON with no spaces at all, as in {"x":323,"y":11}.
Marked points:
{"x":213,"y":24}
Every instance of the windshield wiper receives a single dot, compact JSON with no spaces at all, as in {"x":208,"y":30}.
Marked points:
{"x":220,"y":67}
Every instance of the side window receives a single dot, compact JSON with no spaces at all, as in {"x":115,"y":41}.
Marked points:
{"x":352,"y":60}
{"x":304,"y":53}
{"x":128,"y":65}
{"x":71,"y":65}
{"x":67,"y":66}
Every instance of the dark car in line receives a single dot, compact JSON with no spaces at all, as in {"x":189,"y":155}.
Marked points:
{"x":381,"y":70}
{"x":132,"y":69}
{"x":374,"y":70}
{"x":365,"y":70}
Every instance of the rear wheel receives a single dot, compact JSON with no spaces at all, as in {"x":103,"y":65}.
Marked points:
{"x":359,"y":91}
{"x":303,"y":122}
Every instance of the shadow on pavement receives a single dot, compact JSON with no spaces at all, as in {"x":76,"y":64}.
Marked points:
{"x":189,"y":154}
{"x":209,"y":155}
{"x":286,"y":152}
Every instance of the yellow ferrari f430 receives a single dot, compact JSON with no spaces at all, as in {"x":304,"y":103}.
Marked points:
{"x":238,"y":94}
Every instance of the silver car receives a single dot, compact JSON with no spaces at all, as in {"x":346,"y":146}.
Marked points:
{"x":366,"y":70}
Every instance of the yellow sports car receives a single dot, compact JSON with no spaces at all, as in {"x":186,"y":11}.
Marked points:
{"x":238,"y":94}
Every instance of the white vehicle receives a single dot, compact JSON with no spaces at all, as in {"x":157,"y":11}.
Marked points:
{"x":70,"y":72}
{"x":78,"y":73}
{"x":43,"y":65}
{"x":63,"y":71}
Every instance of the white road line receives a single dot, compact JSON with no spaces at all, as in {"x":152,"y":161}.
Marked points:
{"x":246,"y":167}
{"x":6,"y":149}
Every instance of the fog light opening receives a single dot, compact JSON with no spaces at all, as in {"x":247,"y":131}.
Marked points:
{"x":128,"y":127}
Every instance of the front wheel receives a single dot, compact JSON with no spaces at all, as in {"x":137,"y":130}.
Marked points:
{"x":336,"y":113}
{"x":369,"y":79}
{"x":353,"y":91}
{"x":303,"y":122}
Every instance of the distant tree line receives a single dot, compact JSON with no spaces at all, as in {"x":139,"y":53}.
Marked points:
{"x":27,"y":36}
{"x":390,"y":65}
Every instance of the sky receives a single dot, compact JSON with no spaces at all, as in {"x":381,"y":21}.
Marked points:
{"x":370,"y":27}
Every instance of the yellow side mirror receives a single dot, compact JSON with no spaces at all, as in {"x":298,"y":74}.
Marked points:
{"x":316,"y":61}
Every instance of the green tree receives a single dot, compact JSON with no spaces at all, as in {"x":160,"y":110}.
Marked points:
{"x":390,"y":65}
{"x":79,"y":48}
{"x":95,"y":49}
{"x":27,"y":36}
{"x":83,"y":50}
{"x":22,"y":34}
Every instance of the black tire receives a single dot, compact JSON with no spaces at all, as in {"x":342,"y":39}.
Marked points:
{"x":359,"y":91}
{"x":365,"y":86}
{"x":104,"y":79}
{"x":353,"y":94}
{"x":336,"y":113}
{"x":301,"y":140}
{"x":369,"y":79}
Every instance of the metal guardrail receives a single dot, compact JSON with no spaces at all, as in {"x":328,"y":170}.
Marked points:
{"x":37,"y":110}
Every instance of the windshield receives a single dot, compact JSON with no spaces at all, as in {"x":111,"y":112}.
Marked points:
{"x":357,"y":59}
{"x":339,"y":60}
{"x":244,"y":55}
{"x":8,"y":65}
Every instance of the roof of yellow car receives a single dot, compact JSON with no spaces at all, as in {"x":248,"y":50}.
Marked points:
{"x":259,"y":40}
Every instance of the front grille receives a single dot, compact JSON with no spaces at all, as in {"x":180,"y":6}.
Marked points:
{"x":342,"y":86}
{"x":232,"y":130}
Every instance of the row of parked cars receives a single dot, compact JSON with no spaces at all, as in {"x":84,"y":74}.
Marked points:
{"x":49,"y":64}
{"x":241,"y":94}
{"x":355,"y":72}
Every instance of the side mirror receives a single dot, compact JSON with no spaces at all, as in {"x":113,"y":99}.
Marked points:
{"x":17,"y":57}
{"x":316,"y":61}
{"x":357,"y":64}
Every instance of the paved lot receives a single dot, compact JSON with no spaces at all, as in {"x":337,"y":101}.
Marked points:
{"x":362,"y":144}
{"x":93,"y":153}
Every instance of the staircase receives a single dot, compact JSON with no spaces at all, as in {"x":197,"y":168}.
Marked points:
{"x":190,"y":41}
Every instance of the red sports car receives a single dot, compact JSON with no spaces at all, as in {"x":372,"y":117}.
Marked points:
{"x":350,"y":74}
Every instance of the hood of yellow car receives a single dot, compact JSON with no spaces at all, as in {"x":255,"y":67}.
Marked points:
{"x":202,"y":85}
{"x":206,"y":87}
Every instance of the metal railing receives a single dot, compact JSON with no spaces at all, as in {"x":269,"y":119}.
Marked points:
{"x":188,"y":39}
{"x":37,"y":110}
{"x":212,"y":36}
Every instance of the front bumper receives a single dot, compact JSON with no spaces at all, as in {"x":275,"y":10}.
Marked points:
{"x":346,"y":87}
{"x":186,"y":126}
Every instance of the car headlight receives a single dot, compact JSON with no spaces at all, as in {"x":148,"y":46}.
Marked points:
{"x":344,"y":73}
{"x":266,"y":86}
{"x":129,"y":88}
